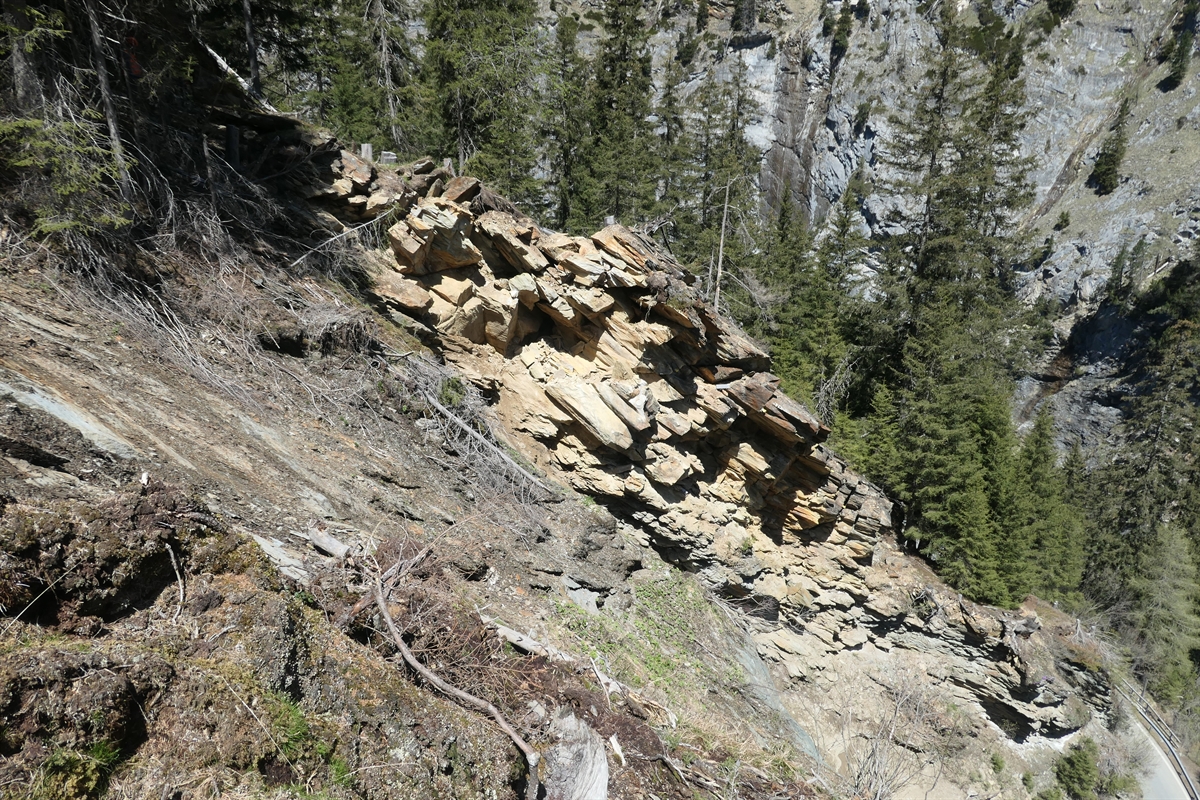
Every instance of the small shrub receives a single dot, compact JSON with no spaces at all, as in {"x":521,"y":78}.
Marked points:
{"x":340,"y":773}
{"x":1061,"y":9}
{"x":452,"y":393}
{"x":71,"y":775}
{"x":66,"y":171}
{"x":1027,"y":781}
{"x":1064,"y":221}
{"x":1077,"y":773}
{"x":1105,"y":174}
{"x":291,"y":731}
{"x":862,"y":116}
{"x":685,"y":49}
{"x":1181,"y":58}
{"x":997,"y":763}
{"x":841,"y":32}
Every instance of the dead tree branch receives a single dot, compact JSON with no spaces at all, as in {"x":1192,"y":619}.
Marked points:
{"x":531,"y":756}
{"x":477,"y":436}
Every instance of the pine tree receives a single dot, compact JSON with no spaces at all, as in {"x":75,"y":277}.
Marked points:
{"x":1181,"y":58}
{"x":1164,"y":620}
{"x":1106,"y":171}
{"x":481,"y":64}
{"x":952,"y":416}
{"x":924,"y":145}
{"x":347,"y":96}
{"x":1140,"y":563}
{"x":1050,"y":522}
{"x":677,"y":178}
{"x":724,"y":167}
{"x":989,"y":144}
{"x":621,"y":162}
{"x":395,"y":66}
{"x":840,"y":44}
{"x":809,"y":344}
{"x":567,"y":131}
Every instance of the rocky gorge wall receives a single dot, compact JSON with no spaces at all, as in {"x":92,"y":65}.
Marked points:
{"x":819,"y":123}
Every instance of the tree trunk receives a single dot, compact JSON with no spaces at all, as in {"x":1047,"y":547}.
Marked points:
{"x":721,"y":252}
{"x":384,"y":49}
{"x":106,"y":98}
{"x":24,"y":79}
{"x":251,"y":49}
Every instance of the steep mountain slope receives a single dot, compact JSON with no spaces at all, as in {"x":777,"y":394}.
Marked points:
{"x":727,"y":613}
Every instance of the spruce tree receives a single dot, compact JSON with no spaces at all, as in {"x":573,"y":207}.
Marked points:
{"x":395,"y":66}
{"x":1181,"y":58}
{"x":840,"y":44}
{"x":567,"y":130}
{"x":1106,"y":171}
{"x":481,"y":64}
{"x":677,"y":177}
{"x":1140,"y":562}
{"x":1164,"y":622}
{"x":1049,"y":521}
{"x":622,"y":153}
{"x":809,"y":343}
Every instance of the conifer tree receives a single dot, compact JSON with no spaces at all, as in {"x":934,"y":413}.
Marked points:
{"x":1106,"y":171}
{"x":347,"y":95}
{"x":481,"y":64}
{"x":567,"y":131}
{"x":840,"y":44}
{"x":935,"y":335}
{"x":621,"y":162}
{"x":1141,"y":563}
{"x":677,"y":178}
{"x":811,"y":352}
{"x":1047,"y":518}
{"x":1164,"y":622}
{"x":395,"y":66}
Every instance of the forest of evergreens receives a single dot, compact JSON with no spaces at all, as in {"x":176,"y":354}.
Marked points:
{"x":909,"y":347}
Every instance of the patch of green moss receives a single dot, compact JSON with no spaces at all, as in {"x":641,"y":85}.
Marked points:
{"x":73,"y":774}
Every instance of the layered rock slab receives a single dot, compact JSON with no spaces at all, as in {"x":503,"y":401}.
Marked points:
{"x":613,"y":376}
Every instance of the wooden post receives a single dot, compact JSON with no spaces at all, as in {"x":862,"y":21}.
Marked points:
{"x":24,"y":81}
{"x":233,"y":147}
{"x":110,"y":111}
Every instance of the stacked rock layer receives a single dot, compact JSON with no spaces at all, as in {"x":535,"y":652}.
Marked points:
{"x":610,"y":373}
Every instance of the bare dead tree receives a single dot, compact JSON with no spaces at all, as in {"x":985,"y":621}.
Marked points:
{"x":106,"y":98}
{"x":885,"y":746}
{"x":831,"y":390}
{"x":251,"y":47}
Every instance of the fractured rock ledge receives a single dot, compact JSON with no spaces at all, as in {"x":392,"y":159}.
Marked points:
{"x":611,"y":375}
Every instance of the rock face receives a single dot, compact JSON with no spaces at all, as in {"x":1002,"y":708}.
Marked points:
{"x":611,"y":375}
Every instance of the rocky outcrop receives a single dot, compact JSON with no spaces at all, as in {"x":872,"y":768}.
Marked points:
{"x":609,"y":373}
